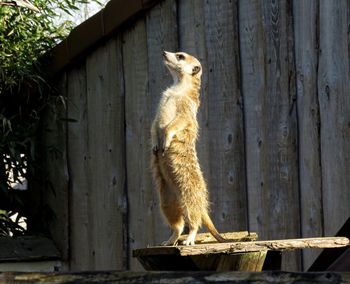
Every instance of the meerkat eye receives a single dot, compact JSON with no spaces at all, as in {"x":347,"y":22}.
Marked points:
{"x":180,"y":56}
{"x":195,"y":70}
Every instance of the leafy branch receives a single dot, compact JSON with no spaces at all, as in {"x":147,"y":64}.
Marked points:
{"x":25,"y":90}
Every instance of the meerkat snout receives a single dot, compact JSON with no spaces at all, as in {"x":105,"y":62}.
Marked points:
{"x":181,"y":64}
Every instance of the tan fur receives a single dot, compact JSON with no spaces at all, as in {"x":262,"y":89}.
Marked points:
{"x":182,"y":189}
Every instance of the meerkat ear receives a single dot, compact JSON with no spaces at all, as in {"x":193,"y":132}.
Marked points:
{"x":195,"y":70}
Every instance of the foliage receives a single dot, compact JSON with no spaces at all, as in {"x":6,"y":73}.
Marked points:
{"x":25,"y":36}
{"x":10,"y":226}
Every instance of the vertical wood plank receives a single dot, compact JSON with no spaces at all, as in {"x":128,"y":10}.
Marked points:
{"x":55,"y":197}
{"x":333,"y":90}
{"x":306,"y":57}
{"x":161,"y":28}
{"x":142,"y":225}
{"x":226,"y":137}
{"x":77,"y":144}
{"x":270,"y":120}
{"x":191,"y":31}
{"x":106,"y":175}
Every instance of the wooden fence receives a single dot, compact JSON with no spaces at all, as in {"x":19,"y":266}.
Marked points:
{"x":274,"y":126}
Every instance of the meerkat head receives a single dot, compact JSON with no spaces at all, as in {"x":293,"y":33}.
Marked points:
{"x":182,"y":65}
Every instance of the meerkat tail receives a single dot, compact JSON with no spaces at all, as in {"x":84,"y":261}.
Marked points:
{"x":211,"y":228}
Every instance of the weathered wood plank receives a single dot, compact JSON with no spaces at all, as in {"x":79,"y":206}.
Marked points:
{"x":116,"y":198}
{"x":178,"y":277}
{"x":251,"y":261}
{"x":226,"y":136}
{"x":106,"y":176}
{"x":242,"y":262}
{"x":191,"y":32}
{"x":240,"y":247}
{"x":161,"y":29}
{"x":232,"y":236}
{"x":27,"y":248}
{"x":270,"y":120}
{"x":77,"y":147}
{"x":217,"y":262}
{"x":305,"y":15}
{"x":142,"y":225}
{"x":56,"y":196}
{"x":333,"y":90}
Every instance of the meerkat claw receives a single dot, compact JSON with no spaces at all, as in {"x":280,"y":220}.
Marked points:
{"x":167,"y":243}
{"x":155,"y":150}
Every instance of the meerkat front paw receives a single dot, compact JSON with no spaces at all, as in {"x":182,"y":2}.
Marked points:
{"x":167,"y":141}
{"x":164,"y":145}
{"x":155,"y":149}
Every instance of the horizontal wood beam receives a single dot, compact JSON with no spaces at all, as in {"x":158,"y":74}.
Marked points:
{"x":239,"y":247}
{"x":177,"y":277}
{"x":27,"y":248}
{"x":100,"y":27}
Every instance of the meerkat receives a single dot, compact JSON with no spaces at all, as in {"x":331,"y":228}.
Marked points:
{"x":182,"y":190}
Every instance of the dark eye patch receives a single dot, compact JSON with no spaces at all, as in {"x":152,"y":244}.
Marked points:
{"x":180,"y":56}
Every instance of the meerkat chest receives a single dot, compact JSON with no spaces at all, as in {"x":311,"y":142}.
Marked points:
{"x":167,"y":108}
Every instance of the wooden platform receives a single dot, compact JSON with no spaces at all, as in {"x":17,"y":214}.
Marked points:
{"x":230,"y":256}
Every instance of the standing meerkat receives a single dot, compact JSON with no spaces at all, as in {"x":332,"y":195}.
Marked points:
{"x":182,"y":190}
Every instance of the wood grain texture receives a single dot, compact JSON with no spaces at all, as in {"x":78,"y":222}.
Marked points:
{"x":161,"y":28}
{"x":55,"y":197}
{"x":105,"y":156}
{"x":333,"y":90}
{"x":27,"y":248}
{"x":239,"y":247}
{"x":270,"y":120}
{"x":188,"y":277}
{"x":305,"y":18}
{"x":143,"y":226}
{"x":226,"y":138}
{"x":77,"y":146}
{"x":191,"y":38}
{"x":232,"y":236}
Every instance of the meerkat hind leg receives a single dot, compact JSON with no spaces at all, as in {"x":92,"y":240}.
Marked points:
{"x":177,"y":231}
{"x":174,"y":218}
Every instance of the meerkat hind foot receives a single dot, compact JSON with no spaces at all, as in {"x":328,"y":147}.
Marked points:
{"x":188,"y":242}
{"x":168,"y":243}
{"x":172,"y":240}
{"x":191,"y":238}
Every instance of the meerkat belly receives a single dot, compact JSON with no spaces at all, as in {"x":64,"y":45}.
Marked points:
{"x":185,"y":138}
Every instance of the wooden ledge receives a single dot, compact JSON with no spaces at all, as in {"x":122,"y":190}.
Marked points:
{"x":27,"y":248}
{"x":176,"y":277}
{"x":242,"y":247}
